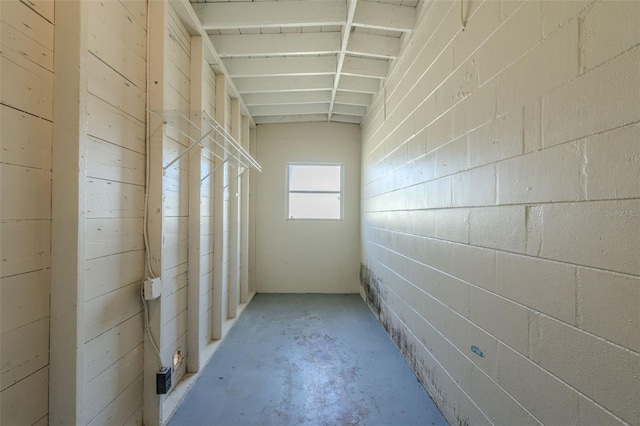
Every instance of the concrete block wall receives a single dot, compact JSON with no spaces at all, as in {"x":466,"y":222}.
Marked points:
{"x":26,"y":116}
{"x":501,"y":210}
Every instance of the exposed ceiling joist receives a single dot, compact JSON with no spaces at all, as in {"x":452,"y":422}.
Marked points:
{"x":283,"y":84}
{"x":385,"y":16}
{"x":254,"y":99}
{"x":358,"y":84}
{"x":346,"y":32}
{"x":234,"y":15}
{"x":258,"y":67}
{"x":276,"y":44}
{"x":290,"y":118}
{"x":374,"y":68}
{"x":374,"y":45}
{"x":347,"y":118}
{"x":353,"y":98}
{"x":266,"y":110}
{"x":311,"y":60}
{"x":348,"y":109}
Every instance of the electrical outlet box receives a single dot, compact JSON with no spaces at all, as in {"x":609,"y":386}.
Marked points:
{"x":163,"y":380}
{"x":152,"y":288}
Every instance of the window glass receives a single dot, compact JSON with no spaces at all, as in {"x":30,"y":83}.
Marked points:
{"x":314,"y":191}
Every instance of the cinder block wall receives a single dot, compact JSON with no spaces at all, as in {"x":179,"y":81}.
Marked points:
{"x":501,"y":210}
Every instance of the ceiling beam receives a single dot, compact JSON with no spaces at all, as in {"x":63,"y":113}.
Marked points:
{"x":349,"y":83}
{"x":270,"y":14}
{"x":346,"y":32}
{"x":349,"y":109}
{"x":346,"y":118}
{"x":373,"y":45}
{"x":283,"y":84}
{"x":259,"y":67}
{"x":385,"y":16}
{"x":279,"y":98}
{"x":376,"y":68}
{"x":276,"y":44}
{"x":266,"y":110}
{"x":290,"y":118}
{"x":353,"y":98}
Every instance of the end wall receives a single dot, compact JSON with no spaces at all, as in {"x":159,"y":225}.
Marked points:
{"x":306,"y":256}
{"x":501,"y":210}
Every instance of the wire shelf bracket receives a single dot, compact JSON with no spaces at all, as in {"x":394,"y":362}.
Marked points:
{"x":212,"y":137}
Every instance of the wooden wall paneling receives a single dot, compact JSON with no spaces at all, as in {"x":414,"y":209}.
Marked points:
{"x":244,"y":217}
{"x":219,"y":265}
{"x":234,"y":218}
{"x":110,"y":124}
{"x":25,"y":139}
{"x":68,"y":218}
{"x":25,"y":246}
{"x":194,"y":343}
{"x":108,"y":85}
{"x":113,"y":272}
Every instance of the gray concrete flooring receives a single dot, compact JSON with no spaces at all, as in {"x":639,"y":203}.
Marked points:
{"x":307,"y":360}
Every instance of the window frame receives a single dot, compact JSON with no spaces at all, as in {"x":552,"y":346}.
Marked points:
{"x":288,"y":191}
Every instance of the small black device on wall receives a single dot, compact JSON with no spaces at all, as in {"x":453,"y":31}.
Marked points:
{"x":163,"y":380}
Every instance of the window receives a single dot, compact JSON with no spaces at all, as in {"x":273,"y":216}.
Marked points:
{"x":314,"y":191}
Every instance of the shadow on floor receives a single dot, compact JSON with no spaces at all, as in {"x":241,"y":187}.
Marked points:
{"x":307,"y":359}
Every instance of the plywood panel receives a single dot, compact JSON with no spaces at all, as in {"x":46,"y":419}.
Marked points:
{"x":17,"y":409}
{"x":177,"y":29}
{"x":174,"y":330}
{"x":111,"y":273}
{"x":138,"y":11}
{"x":110,"y":124}
{"x":26,"y":86}
{"x":108,"y":85}
{"x":28,"y":22}
{"x":25,"y":350}
{"x":174,"y":304}
{"x":112,"y":381}
{"x":110,"y":236}
{"x":106,"y":199}
{"x":31,"y":190}
{"x":25,"y":246}
{"x":25,"y":139}
{"x":114,"y":163}
{"x":21,"y":44}
{"x":125,"y":407}
{"x":101,"y":353}
{"x":25,"y":299}
{"x":105,"y":312}
{"x":43,"y":8}
{"x":118,"y":39}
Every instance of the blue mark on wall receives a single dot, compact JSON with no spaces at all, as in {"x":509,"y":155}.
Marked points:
{"x":476,"y":350}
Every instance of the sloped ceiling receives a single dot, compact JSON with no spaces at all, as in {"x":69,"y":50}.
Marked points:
{"x":307,"y":60}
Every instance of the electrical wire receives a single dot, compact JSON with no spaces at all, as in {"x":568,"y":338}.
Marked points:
{"x":145,"y":220}
{"x":464,"y":23}
{"x":147,"y":328}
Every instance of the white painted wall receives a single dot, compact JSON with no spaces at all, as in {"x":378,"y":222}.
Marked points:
{"x":26,"y":117}
{"x":98,"y":353}
{"x":501,"y":201}
{"x":115,"y":172}
{"x":306,"y":256}
{"x":175,"y":222}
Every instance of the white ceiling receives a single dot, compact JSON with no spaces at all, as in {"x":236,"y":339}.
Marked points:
{"x":307,"y":60}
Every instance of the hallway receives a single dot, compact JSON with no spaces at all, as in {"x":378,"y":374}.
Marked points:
{"x":307,"y":360}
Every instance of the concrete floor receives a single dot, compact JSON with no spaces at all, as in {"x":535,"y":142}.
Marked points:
{"x":307,"y":360}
